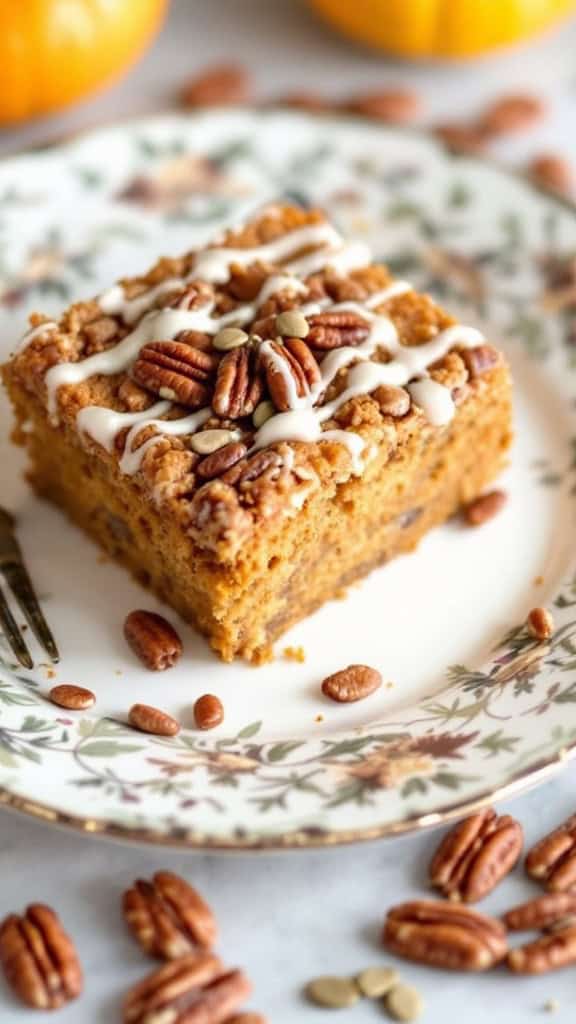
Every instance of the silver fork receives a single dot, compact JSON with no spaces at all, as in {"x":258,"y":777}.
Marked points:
{"x":14,"y":572}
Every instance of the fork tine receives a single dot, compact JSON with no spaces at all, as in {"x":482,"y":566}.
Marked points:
{"x":13,"y":634}
{"x":16,"y":575}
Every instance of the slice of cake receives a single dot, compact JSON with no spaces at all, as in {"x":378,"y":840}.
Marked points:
{"x":251,"y":427}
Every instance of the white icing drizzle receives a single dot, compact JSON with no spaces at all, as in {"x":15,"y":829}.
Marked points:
{"x":114,"y":301}
{"x":102,"y":425}
{"x":434,"y":399}
{"x":303,"y":422}
{"x":34,"y":332}
{"x":132,"y":458}
{"x":214,"y":264}
{"x":407,"y":366}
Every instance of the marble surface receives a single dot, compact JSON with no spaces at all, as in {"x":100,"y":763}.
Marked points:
{"x":287,"y":917}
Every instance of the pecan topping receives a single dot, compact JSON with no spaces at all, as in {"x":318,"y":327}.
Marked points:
{"x":191,"y":990}
{"x":290,"y":369}
{"x":473,"y":857}
{"x":221,"y":460}
{"x":541,"y":913}
{"x":333,"y":330}
{"x":444,"y":935}
{"x":351,"y":684}
{"x":238,"y":387}
{"x":553,"y":859}
{"x":39,"y":959}
{"x":175,"y":371}
{"x":254,"y":467}
{"x":547,"y":953}
{"x":480,"y":359}
{"x":148,"y":719}
{"x":152,"y":639}
{"x":75,"y":698}
{"x":484,"y":508}
{"x":167,"y":917}
{"x":208,"y":711}
{"x":393,"y":401}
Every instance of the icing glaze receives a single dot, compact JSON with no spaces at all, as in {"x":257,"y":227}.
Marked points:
{"x":34,"y":332}
{"x":213,"y":265}
{"x":132,"y":458}
{"x":406,"y":367}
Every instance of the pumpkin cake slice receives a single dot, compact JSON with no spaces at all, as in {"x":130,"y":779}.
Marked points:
{"x":251,"y":427}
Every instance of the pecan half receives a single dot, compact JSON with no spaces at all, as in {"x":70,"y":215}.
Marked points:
{"x":473,"y":857}
{"x":552,"y":861}
{"x":444,"y":935}
{"x":238,"y":387}
{"x":152,"y":639}
{"x":219,"y":84}
{"x":191,"y":990}
{"x":253,"y":468}
{"x":480,"y":359}
{"x":333,"y":330}
{"x":39,"y":959}
{"x":146,"y":718}
{"x":351,"y":684}
{"x":175,"y":371}
{"x":290,"y":369}
{"x":547,"y":953}
{"x":208,"y":711}
{"x":221,"y":460}
{"x":485,"y":507}
{"x":74,"y":698}
{"x":167,"y":917}
{"x":540,"y":913}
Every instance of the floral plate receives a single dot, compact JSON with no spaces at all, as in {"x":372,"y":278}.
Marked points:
{"x":474,"y":707}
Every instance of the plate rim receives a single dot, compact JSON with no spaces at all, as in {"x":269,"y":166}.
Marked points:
{"x":299,"y":838}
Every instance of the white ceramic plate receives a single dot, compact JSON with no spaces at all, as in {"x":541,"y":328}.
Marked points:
{"x":475,"y":707}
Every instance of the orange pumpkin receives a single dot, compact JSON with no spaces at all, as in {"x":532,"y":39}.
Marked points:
{"x":441,"y":28}
{"x":53,"y":52}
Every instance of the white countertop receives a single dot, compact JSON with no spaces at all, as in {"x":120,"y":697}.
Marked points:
{"x":288,"y":917}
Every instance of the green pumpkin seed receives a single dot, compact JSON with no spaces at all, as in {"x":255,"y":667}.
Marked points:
{"x":333,"y":993}
{"x":375,"y":982}
{"x":404,"y":1003}
{"x":292,"y":324}
{"x":262,"y":412}
{"x":229,"y":338}
{"x":208,"y":441}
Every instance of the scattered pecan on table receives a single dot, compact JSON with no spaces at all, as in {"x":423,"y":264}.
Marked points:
{"x":39,"y":959}
{"x":168,"y":917}
{"x":476,"y":855}
{"x":444,"y":935}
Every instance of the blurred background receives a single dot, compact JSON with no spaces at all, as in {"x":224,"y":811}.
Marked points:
{"x":443,"y":61}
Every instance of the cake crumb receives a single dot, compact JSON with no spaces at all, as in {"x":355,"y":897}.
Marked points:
{"x":538,"y":581}
{"x":389,"y":685}
{"x":294,"y":654}
{"x":319,"y":718}
{"x":118,"y":672}
{"x":551,"y":1006}
{"x":50,"y":673}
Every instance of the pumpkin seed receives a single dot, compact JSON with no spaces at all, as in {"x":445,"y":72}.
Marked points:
{"x":229,"y":338}
{"x":404,"y":1003}
{"x":292,"y":324}
{"x":333,"y":993}
{"x":375,"y":982}
{"x":262,"y":412}
{"x":208,"y":441}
